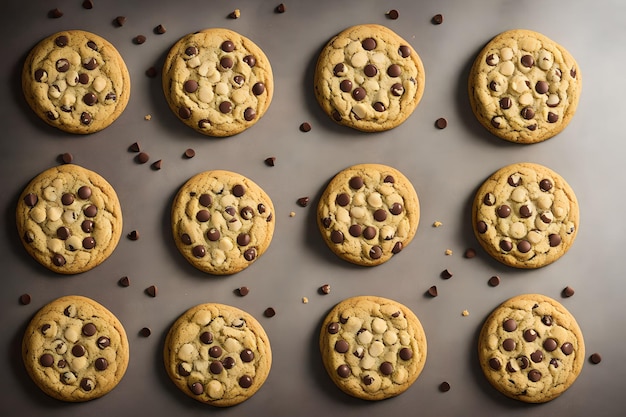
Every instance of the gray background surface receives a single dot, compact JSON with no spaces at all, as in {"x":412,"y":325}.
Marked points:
{"x":445,"y":166}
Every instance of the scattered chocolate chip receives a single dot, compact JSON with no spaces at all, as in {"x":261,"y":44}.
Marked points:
{"x":133,"y":235}
{"x":88,"y":4}
{"x":189,"y":153}
{"x":145,"y":332}
{"x":119,"y":21}
{"x":446,"y":274}
{"x":437,"y":19}
{"x":160,"y":29}
{"x":470,"y":253}
{"x":242,"y":291}
{"x":432,"y":291}
{"x":325,"y":289}
{"x":134,"y":147}
{"x":156,"y":165}
{"x":441,"y":123}
{"x":271,"y":161}
{"x":66,"y":158}
{"x":269,"y":312}
{"x":567,"y":292}
{"x":444,"y":386}
{"x":235,"y":14}
{"x":494,"y":281}
{"x":124,"y":282}
{"x":595,"y":358}
{"x":142,"y":157}
{"x":303,"y":201}
{"x":24,"y":299}
{"x":280,"y":8}
{"x":152,"y":72}
{"x":305,"y":127}
{"x":151,"y":291}
{"x":139,"y":39}
{"x":393,"y":14}
{"x":55,"y":13}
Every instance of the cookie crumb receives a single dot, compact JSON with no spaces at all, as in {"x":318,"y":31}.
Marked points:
{"x":595,"y":358}
{"x":124,"y":282}
{"x":305,"y":300}
{"x":567,"y":292}
{"x":271,"y":161}
{"x":432,"y":291}
{"x":448,"y":252}
{"x":494,"y":281}
{"x":444,"y":386}
{"x":133,"y":235}
{"x":325,"y":289}
{"x":437,"y":19}
{"x":465,"y":313}
{"x":145,"y":332}
{"x":437,"y":224}
{"x":446,"y":274}
{"x":441,"y":123}
{"x":292,"y":214}
{"x":152,"y":291}
{"x":305,"y":127}
{"x":392,"y":14}
{"x":25,"y":299}
{"x":235,"y":14}
{"x":280,"y":8}
{"x":242,"y":291}
{"x":147,"y":117}
{"x":303,"y":201}
{"x":269,"y":312}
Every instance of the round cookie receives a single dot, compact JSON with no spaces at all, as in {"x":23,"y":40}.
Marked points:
{"x":368,"y":213}
{"x":217,"y":81}
{"x":69,"y":219}
{"x":369,"y":78}
{"x":373,"y":348}
{"x":217,"y":354}
{"x":531,"y":348}
{"x":222,"y":221}
{"x":76,"y":81}
{"x":75,"y":349}
{"x":524,"y":87}
{"x":525,"y":215}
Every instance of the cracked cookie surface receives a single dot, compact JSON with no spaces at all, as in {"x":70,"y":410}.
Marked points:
{"x":76,"y":81}
{"x":222,"y":222}
{"x":75,"y":349}
{"x":373,"y":348}
{"x":367,"y":77}
{"x":69,"y":219}
{"x":217,"y":81}
{"x":368,"y":213}
{"x":525,"y":215}
{"x":524,"y":87}
{"x":531,"y":348}
{"x":217,"y":354}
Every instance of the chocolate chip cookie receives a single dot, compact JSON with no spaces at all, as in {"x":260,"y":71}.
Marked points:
{"x":524,"y":87}
{"x":531,"y":348}
{"x":217,"y":354}
{"x":368,"y":213}
{"x":76,"y":81}
{"x":75,"y":349}
{"x":69,"y":219}
{"x":217,"y":81}
{"x":369,"y":78}
{"x":525,"y":215}
{"x":222,"y":221}
{"x":372,"y":347}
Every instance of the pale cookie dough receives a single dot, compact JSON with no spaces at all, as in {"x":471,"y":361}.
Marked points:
{"x":531,"y":348}
{"x":373,"y":348}
{"x":222,"y":221}
{"x":368,"y":213}
{"x":69,"y":219}
{"x":76,"y":81}
{"x":524,"y":87}
{"x":217,"y":81}
{"x":525,"y":215}
{"x":217,"y":354}
{"x":75,"y":349}
{"x":369,"y":78}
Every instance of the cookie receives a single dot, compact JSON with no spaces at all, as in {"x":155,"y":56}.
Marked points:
{"x":369,"y":78}
{"x":217,"y":81}
{"x":525,"y":215}
{"x":524,"y":87}
{"x":69,"y":219}
{"x":222,"y":221}
{"x":531,"y":348}
{"x":373,"y":348}
{"x":75,"y":349}
{"x":368,"y":213}
{"x":76,"y":81}
{"x":217,"y":354}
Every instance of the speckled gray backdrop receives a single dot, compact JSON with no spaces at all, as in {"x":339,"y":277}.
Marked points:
{"x":445,"y":166}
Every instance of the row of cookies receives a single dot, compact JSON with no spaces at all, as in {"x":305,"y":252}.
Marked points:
{"x":523,"y":87}
{"x":530,"y":348}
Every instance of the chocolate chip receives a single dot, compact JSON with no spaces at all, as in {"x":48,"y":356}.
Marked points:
{"x":567,"y":292}
{"x":405,"y":354}
{"x":142,"y":157}
{"x":242,"y":291}
{"x":46,"y":360}
{"x":145,"y":332}
{"x":441,"y":123}
{"x":527,"y":113}
{"x":470,"y":253}
{"x":88,"y":4}
{"x":370,"y":70}
{"x":119,"y":21}
{"x":404,"y":51}
{"x":386,"y":368}
{"x":156,"y":165}
{"x":197,"y":388}
{"x":271,"y":161}
{"x":446,"y":274}
{"x":567,"y":348}
{"x":269,"y":312}
{"x":124,"y":282}
{"x":305,"y":127}
{"x":134,"y":147}
{"x":494,"y":281}
{"x":90,"y":64}
{"x":506,"y":245}
{"x":545,"y":185}
{"x":25,"y":299}
{"x":225,"y":107}
{"x":152,"y":72}
{"x":437,"y":19}
{"x":103,"y":342}
{"x":506,"y":103}
{"x":393,"y":14}
{"x":152,"y":291}
{"x":530,"y":335}
{"x":432,"y":291}
{"x":534,"y":375}
{"x":359,"y":93}
{"x":133,"y":235}
{"x":503,"y":211}
{"x":90,"y":99}
{"x":397,"y":89}
{"x":595,"y":358}
{"x":344,"y":371}
{"x":303,"y":201}
{"x":139,"y":39}
{"x":536,"y":356}
{"x":369,"y":44}
{"x":325,"y":289}
{"x":280,"y":8}
{"x":444,"y":386}
{"x":376,"y":252}
{"x":528,"y":61}
{"x":55,"y":13}
{"x":160,"y":29}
